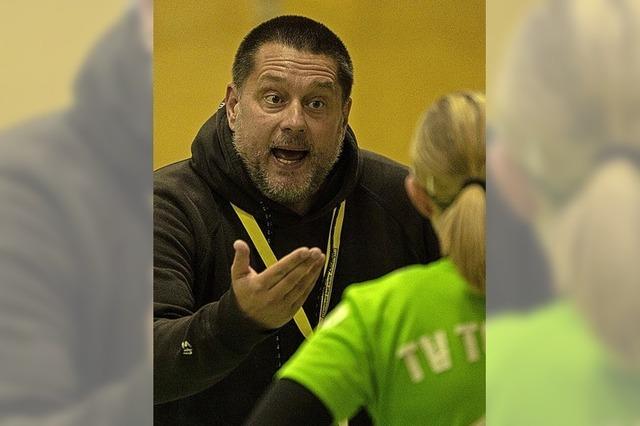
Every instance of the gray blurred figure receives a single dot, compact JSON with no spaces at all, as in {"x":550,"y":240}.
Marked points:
{"x":517,"y":268}
{"x":75,"y":247}
{"x":567,"y":156}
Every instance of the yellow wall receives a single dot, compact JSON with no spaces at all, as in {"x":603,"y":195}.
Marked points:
{"x":405,"y":54}
{"x":43,"y":44}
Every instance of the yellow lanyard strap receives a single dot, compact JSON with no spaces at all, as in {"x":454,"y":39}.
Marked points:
{"x":331,"y":260}
{"x":269,"y":258}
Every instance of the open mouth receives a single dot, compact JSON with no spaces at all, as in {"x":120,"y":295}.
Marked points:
{"x":289,"y":156}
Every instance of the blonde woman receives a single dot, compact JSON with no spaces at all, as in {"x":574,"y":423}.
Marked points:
{"x":409,"y":347}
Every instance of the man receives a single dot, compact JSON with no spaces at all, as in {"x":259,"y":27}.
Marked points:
{"x":279,"y":151}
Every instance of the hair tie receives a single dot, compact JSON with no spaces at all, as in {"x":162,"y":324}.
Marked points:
{"x":474,"y":181}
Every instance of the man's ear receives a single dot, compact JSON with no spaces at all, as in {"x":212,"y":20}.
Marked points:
{"x":231,"y":102}
{"x":346,"y":109}
{"x":418,"y":196}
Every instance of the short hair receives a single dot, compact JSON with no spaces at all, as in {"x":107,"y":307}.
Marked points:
{"x":300,"y":33}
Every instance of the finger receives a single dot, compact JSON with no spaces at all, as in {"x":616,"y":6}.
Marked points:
{"x":315,"y":274}
{"x":294,"y":277}
{"x":302,"y":278}
{"x":276,"y":272}
{"x":299,"y":294}
{"x":240,"y":267}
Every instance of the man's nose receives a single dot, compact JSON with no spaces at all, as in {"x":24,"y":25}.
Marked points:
{"x":294,"y":119}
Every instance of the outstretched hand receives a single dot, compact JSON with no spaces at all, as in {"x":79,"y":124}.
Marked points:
{"x":272,"y":297}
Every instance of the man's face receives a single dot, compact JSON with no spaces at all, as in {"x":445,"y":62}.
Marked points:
{"x":289,"y":122}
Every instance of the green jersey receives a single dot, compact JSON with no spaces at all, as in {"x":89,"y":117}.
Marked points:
{"x":408,"y":346}
{"x":548,"y":368}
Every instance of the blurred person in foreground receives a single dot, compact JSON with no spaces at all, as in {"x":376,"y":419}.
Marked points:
{"x":75,"y":246}
{"x":517,"y":267}
{"x":408,"y":346}
{"x":275,"y":173}
{"x":568,"y":130}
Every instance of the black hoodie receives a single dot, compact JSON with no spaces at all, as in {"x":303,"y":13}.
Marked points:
{"x":230,"y":361}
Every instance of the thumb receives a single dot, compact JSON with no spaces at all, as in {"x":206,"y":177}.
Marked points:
{"x":240,"y":267}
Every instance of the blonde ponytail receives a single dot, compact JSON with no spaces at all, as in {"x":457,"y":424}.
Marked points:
{"x":448,"y":150}
{"x":461,"y":228}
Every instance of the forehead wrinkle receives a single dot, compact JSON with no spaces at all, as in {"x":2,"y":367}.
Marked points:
{"x":264,"y":76}
{"x":290,"y":65}
{"x":321,"y":80}
{"x":328,"y":85}
{"x":304,"y":64}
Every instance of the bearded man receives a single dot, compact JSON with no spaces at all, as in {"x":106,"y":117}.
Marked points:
{"x":260,"y":231}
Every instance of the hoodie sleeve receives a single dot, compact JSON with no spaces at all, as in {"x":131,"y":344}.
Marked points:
{"x":194,"y":346}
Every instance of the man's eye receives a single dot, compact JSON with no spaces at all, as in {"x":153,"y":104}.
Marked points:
{"x":316,"y":104}
{"x":273,"y":99}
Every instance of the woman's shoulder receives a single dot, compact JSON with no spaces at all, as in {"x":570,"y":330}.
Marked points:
{"x":431,"y":284}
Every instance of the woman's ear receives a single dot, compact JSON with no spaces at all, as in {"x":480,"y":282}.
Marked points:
{"x":418,"y":196}
{"x":231,"y":104}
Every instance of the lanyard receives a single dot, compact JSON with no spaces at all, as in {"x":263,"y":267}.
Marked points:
{"x":330,"y":263}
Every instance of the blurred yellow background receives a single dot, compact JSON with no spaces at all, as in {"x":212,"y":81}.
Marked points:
{"x":43,"y":45}
{"x":405,"y":55}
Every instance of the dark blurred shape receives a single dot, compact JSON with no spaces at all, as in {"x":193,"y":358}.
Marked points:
{"x":518,"y":276}
{"x":75,"y":248}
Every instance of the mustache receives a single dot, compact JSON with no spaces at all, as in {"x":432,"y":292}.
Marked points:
{"x":299,"y":141}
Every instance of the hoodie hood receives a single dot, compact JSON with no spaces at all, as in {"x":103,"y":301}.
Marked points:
{"x":216,"y":160}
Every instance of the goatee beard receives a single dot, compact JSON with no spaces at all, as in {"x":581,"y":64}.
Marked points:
{"x":297,"y":192}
